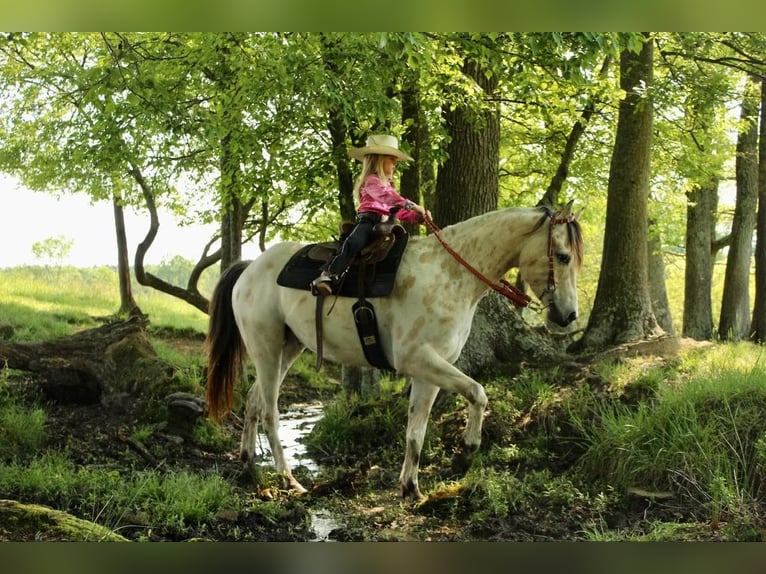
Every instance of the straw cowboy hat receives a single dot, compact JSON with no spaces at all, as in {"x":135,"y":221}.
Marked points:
{"x":381,"y":145}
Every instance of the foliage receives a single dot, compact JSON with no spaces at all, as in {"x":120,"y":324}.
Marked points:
{"x":169,"y":502}
{"x":22,"y":427}
{"x":53,"y":250}
{"x":699,"y":436}
{"x":211,"y":119}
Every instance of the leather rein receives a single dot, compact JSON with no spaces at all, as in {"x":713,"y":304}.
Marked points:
{"x":506,"y":289}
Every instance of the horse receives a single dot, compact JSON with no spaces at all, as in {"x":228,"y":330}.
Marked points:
{"x":423,"y":323}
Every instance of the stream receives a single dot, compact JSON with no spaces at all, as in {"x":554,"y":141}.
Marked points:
{"x":294,"y":424}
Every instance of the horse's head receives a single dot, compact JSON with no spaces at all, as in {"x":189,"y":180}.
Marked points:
{"x":549,"y":263}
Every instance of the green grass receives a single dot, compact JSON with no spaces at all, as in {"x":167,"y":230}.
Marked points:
{"x":175,"y":501}
{"x":40,"y":307}
{"x":702,"y":436}
{"x":22,"y":427}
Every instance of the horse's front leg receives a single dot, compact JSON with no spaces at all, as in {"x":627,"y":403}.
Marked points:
{"x":427,"y":365}
{"x":477,"y":405}
{"x":422,"y":396}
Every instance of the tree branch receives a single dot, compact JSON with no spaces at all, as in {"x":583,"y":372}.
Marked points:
{"x":191,"y":295}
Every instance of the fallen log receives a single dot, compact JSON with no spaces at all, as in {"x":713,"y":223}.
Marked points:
{"x":81,"y":368}
{"x":21,"y":522}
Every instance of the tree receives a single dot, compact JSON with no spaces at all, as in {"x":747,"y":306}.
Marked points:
{"x":467,"y":182}
{"x":735,"y":305}
{"x":60,"y":103}
{"x":622,"y":311}
{"x":758,"y":326}
{"x":698,"y":274}
{"x":53,"y":249}
{"x":656,"y":279}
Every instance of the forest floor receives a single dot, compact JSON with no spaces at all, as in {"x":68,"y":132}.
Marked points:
{"x":357,"y":503}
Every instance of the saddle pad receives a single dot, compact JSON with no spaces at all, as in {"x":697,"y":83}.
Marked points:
{"x":300,"y":270}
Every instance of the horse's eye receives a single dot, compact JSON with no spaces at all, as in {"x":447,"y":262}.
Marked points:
{"x":563,"y":258}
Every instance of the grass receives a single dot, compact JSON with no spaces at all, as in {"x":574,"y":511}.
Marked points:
{"x":22,"y":428}
{"x":175,"y":501}
{"x":39,"y":308}
{"x":701,"y":436}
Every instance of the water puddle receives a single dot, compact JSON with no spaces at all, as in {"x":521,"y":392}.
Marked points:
{"x":294,"y":424}
{"x":323,"y":523}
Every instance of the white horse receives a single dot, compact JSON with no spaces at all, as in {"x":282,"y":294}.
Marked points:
{"x":423,"y":324}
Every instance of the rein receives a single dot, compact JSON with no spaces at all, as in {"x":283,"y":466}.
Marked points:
{"x":511,"y":292}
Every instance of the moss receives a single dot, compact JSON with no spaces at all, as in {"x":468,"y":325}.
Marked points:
{"x":19,"y":521}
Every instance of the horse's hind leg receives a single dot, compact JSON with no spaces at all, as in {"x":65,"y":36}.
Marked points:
{"x":422,"y":396}
{"x":262,"y":407}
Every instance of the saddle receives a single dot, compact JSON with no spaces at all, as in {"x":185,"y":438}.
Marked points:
{"x":371,"y":274}
{"x":385,"y":236}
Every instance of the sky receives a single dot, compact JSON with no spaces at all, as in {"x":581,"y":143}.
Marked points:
{"x":27,"y":217}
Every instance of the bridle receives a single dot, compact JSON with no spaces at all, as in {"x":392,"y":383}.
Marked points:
{"x":506,"y":289}
{"x":554,"y":220}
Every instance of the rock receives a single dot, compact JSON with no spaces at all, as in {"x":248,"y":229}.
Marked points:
{"x":184,"y":410}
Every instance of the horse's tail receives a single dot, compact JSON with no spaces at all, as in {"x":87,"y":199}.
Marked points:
{"x":224,"y":346}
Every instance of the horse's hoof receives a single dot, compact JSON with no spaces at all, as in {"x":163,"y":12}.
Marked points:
{"x":411,"y":490}
{"x":462,"y":460}
{"x":290,"y":483}
{"x":297,"y":488}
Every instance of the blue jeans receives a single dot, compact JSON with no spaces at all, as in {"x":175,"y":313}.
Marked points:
{"x":360,"y":237}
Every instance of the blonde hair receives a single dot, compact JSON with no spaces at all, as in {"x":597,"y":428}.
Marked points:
{"x":372,"y":164}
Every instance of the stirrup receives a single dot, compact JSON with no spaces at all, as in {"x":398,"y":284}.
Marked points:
{"x":323,"y":285}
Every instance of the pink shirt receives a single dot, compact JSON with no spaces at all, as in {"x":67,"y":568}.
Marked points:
{"x":378,"y":196}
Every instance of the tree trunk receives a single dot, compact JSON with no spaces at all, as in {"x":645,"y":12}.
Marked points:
{"x":698,"y":279}
{"x":93,"y":364}
{"x":622,"y":310}
{"x":339,"y":138}
{"x":758,"y":326}
{"x":127,"y":302}
{"x":735,"y":305}
{"x":361,"y":382}
{"x":657,"y":291}
{"x":501,"y":341}
{"x":44,"y":524}
{"x":467,"y":183}
{"x":231,"y":232}
{"x":412,"y":117}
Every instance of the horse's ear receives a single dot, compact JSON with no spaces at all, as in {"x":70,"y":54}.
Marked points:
{"x":567,"y":211}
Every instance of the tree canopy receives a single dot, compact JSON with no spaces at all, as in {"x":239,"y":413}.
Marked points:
{"x":250,"y":130}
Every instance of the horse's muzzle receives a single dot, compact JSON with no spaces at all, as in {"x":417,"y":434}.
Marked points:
{"x":562,"y":320}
